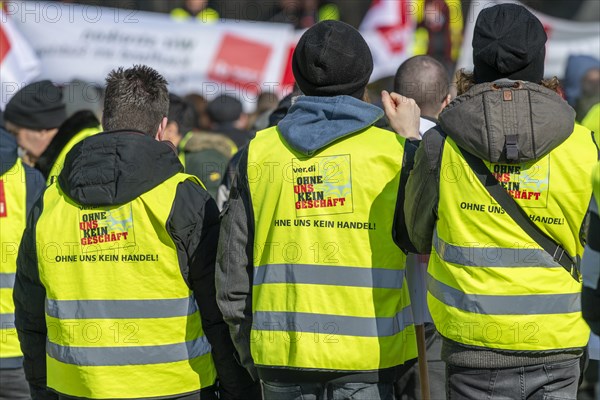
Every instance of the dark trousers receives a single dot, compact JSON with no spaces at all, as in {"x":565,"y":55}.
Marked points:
{"x":537,"y":382}
{"x":327,"y":391}
{"x":13,"y":385}
{"x":408,"y":386}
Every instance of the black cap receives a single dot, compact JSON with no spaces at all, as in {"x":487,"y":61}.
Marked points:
{"x":38,"y":105}
{"x":508,"y":42}
{"x":332,"y":59}
{"x":224,"y":108}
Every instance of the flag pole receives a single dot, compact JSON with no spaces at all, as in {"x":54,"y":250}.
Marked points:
{"x":423,"y":374}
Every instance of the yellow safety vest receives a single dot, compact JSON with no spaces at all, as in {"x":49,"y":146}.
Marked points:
{"x":490,"y":284}
{"x":122,"y":323}
{"x":596,"y":184}
{"x":421,"y":43}
{"x":329,"y":288}
{"x":181,"y":148}
{"x":13,"y":217}
{"x":592,"y":121}
{"x":329,"y":12}
{"x":60,"y":160}
{"x":208,"y":15}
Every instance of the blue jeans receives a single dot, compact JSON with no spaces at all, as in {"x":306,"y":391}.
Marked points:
{"x":552,"y":381}
{"x":327,"y":391}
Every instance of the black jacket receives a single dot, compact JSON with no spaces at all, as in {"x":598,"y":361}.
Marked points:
{"x":72,"y":126}
{"x":238,"y":136}
{"x":99,"y":171}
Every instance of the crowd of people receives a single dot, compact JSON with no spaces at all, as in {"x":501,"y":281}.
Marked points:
{"x":178,"y":248}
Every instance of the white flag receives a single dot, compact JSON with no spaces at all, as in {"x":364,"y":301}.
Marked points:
{"x":388,"y":28}
{"x":19,"y":64}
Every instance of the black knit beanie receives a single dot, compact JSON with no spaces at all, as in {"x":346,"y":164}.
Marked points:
{"x":332,"y":59}
{"x":38,"y":105}
{"x":508,"y":42}
{"x":224,"y":108}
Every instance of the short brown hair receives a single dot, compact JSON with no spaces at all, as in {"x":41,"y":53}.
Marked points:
{"x":136,"y":98}
{"x":465,"y":81}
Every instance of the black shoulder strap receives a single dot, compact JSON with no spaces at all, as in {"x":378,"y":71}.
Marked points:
{"x":511,"y":207}
{"x":399,"y":229}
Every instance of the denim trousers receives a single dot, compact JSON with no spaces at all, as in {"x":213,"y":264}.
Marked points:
{"x":550,"y":381}
{"x":327,"y":391}
{"x":13,"y":385}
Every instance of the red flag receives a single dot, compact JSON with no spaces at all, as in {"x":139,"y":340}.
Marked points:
{"x":388,"y":28}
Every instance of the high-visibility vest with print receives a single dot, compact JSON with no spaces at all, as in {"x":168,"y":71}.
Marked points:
{"x":60,"y":160}
{"x":490,"y":284}
{"x":208,"y":15}
{"x":13,"y":216}
{"x":329,"y":287}
{"x":122,"y":323}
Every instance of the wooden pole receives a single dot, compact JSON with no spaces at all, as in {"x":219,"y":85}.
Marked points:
{"x":423,"y":374}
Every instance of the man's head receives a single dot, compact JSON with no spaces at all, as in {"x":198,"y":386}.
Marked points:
{"x":196,"y":6}
{"x":226,"y":110}
{"x":182,"y":117}
{"x":425,"y":80}
{"x":34,"y":114}
{"x":136,"y":99}
{"x":332,"y":59}
{"x":508,"y":42}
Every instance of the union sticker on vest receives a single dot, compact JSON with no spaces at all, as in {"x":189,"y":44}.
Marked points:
{"x":3,"y":212}
{"x":526,"y":183}
{"x":106,"y":229}
{"x":322,"y":185}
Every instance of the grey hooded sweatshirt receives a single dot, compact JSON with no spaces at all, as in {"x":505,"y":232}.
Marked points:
{"x":478,"y":121}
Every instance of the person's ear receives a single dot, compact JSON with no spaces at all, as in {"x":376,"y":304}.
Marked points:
{"x":171,"y":131}
{"x":160,"y":133}
{"x":446,"y":101}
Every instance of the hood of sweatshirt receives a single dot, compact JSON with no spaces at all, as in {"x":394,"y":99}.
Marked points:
{"x":8,"y":151}
{"x":114,"y":168}
{"x":507,"y":121}
{"x":313,"y":123}
{"x":72,"y":126}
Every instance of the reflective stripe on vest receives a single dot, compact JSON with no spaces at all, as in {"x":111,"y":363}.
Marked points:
{"x":530,"y":304}
{"x":130,"y":355}
{"x":326,"y":267}
{"x":490,"y":256}
{"x":118,"y":311}
{"x":329,"y":275}
{"x":13,"y":215}
{"x":490,"y":284}
{"x":344,"y":325}
{"x":60,"y":160}
{"x":7,"y":280}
